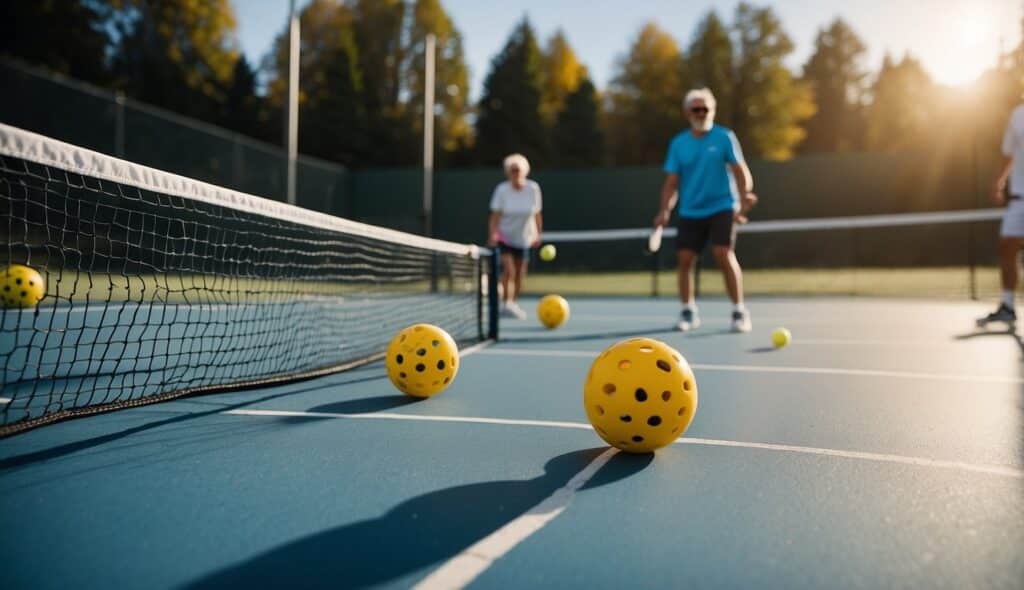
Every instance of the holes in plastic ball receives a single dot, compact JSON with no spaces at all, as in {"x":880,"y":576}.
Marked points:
{"x":609,"y":388}
{"x":440,"y":365}
{"x":666,"y":395}
{"x":399,"y":359}
{"x":624,"y":365}
{"x":687,"y":385}
{"x":664,"y":366}
{"x":641,"y":395}
{"x":421,"y":352}
{"x":681,"y":411}
{"x":420,"y":367}
{"x":626,"y":418}
{"x":638,"y":439}
{"x":599,"y":410}
{"x":654,"y":421}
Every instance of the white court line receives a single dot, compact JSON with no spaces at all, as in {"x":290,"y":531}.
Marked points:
{"x":5,"y":400}
{"x":773,"y":369}
{"x":462,"y":569}
{"x":877,"y":457}
{"x":475,"y":348}
{"x":669,"y":320}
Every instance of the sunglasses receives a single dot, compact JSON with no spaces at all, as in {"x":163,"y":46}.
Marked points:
{"x":699,"y":110}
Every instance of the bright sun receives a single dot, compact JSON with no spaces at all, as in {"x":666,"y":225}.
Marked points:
{"x":968,"y":54}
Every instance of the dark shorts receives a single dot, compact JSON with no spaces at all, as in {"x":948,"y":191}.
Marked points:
{"x":518,"y":254}
{"x":694,"y":233}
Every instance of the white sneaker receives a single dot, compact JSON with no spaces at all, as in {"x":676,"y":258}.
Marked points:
{"x":741,"y":321}
{"x":515,"y":311}
{"x":505,"y":312}
{"x":688,"y":320}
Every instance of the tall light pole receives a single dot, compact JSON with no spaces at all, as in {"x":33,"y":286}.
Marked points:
{"x":428,"y":137}
{"x":292,"y":134}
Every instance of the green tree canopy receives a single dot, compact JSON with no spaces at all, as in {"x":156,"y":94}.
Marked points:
{"x":711,"y":64}
{"x":178,"y":54}
{"x":562,"y":75}
{"x":903,"y":106}
{"x":645,"y":98}
{"x":769,"y":104}
{"x":577,"y":137}
{"x":66,"y":37}
{"x":331,"y":105}
{"x":836,"y":77}
{"x":509,"y":118}
{"x":451,"y":81}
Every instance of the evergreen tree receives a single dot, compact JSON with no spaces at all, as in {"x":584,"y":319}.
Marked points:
{"x":838,"y":82}
{"x":509,"y":118}
{"x":711,"y":64}
{"x":577,"y":137}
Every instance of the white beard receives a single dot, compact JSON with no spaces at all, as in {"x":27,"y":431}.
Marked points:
{"x":703,"y":126}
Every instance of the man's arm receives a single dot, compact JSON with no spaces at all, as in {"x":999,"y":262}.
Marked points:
{"x":539,"y":219}
{"x":744,"y":185}
{"x":998,"y":196}
{"x":668,"y":199}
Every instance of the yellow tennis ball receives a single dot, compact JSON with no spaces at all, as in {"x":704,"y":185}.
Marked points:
{"x":547,"y":253}
{"x":552,"y":311}
{"x":640,"y":395}
{"x":781,"y":337}
{"x":22,"y":286}
{"x":422,"y":360}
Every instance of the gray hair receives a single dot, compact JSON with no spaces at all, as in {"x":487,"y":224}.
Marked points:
{"x":518,"y":160}
{"x":703,"y":94}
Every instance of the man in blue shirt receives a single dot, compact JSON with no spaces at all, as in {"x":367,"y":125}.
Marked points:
{"x":705,"y":167}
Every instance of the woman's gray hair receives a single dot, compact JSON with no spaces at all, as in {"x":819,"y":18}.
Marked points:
{"x":701,"y":93}
{"x":518,"y":160}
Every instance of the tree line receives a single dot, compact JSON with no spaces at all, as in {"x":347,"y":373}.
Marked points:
{"x":362,"y":78}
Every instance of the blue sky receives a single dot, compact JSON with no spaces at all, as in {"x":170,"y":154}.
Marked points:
{"x":955,"y":39}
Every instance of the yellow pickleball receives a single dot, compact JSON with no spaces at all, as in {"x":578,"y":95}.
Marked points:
{"x":781,"y":337}
{"x":640,"y":395}
{"x":422,"y":360}
{"x":22,"y":286}
{"x":552,"y":311}
{"x":547,"y":252}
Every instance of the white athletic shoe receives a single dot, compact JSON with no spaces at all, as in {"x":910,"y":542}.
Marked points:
{"x":515,"y":311}
{"x":741,"y":321}
{"x":688,"y":320}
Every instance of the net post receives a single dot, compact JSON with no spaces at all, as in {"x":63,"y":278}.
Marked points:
{"x":479,"y":278}
{"x":655,"y":267}
{"x":492,"y":296}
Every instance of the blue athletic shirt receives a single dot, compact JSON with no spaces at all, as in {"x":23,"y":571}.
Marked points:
{"x":706,"y":186}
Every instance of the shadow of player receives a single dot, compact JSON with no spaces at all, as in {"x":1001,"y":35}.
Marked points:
{"x":415,"y":534}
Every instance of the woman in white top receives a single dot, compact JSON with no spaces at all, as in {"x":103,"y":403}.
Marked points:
{"x":514,"y":227}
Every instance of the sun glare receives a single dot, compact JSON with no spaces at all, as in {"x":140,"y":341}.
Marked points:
{"x":969,"y":52}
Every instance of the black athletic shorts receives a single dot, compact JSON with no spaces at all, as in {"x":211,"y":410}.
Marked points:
{"x":695,"y":232}
{"x":518,"y":254}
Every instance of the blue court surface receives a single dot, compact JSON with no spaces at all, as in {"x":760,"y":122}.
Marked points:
{"x":883,"y":448}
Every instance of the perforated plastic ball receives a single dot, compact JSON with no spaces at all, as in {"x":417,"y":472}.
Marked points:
{"x":640,"y":395}
{"x":422,"y":360}
{"x":552,"y":311}
{"x":22,"y":286}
